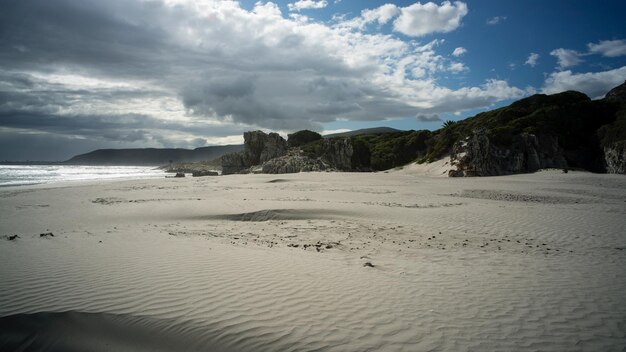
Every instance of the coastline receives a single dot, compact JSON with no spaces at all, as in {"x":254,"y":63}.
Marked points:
{"x":279,"y":262}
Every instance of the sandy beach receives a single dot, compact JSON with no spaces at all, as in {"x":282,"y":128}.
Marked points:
{"x":395,"y":261}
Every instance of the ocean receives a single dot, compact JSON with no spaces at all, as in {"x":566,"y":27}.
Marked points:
{"x":19,"y":175}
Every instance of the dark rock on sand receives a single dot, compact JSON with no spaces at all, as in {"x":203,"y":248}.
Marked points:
{"x":46,"y":234}
{"x":201,"y":173}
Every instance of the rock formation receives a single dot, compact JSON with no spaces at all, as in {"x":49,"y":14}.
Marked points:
{"x":295,"y":161}
{"x":477,"y":155}
{"x":338,"y":153}
{"x":259,"y":147}
{"x":233,"y":163}
{"x":617,"y":94}
{"x":614,"y":141}
{"x":615,"y":158}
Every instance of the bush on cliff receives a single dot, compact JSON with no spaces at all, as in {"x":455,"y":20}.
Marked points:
{"x":303,"y":137}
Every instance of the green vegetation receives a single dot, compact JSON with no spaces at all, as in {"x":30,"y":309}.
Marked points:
{"x":301,"y":138}
{"x":379,"y":151}
{"x":394,"y":149}
{"x":570,"y":116}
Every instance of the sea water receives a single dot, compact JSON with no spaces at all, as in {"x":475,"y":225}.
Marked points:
{"x":18,"y":175}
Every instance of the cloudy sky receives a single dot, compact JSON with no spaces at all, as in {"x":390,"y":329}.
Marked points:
{"x":76,"y":75}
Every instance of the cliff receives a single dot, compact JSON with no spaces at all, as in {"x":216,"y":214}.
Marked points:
{"x":476,"y":155}
{"x":565,"y":130}
{"x":613,"y":136}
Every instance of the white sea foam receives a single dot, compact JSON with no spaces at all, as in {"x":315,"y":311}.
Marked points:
{"x":17,"y":175}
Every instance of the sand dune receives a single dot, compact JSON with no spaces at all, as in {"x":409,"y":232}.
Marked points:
{"x":256,"y":263}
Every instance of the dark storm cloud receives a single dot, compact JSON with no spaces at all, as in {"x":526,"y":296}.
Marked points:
{"x":130,"y":127}
{"x":108,"y":36}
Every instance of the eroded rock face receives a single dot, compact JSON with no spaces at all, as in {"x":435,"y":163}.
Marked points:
{"x":293,"y":162}
{"x":259,"y":147}
{"x":476,"y":155}
{"x":338,"y":153}
{"x":615,"y":158}
{"x":233,"y":163}
{"x":617,"y":94}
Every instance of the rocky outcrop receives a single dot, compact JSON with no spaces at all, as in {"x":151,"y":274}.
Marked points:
{"x":338,"y":152}
{"x":233,"y":163}
{"x":476,"y":155}
{"x":293,"y":162}
{"x":617,"y":94}
{"x":615,"y":158}
{"x":202,"y":173}
{"x":259,"y":147}
{"x":614,"y":135}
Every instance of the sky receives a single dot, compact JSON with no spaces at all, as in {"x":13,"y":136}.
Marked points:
{"x":78,"y":75}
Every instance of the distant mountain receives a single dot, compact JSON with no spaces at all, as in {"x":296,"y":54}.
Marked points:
{"x":375,"y":130}
{"x":151,"y":156}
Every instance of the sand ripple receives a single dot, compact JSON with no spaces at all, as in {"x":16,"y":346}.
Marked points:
{"x":213,"y":265}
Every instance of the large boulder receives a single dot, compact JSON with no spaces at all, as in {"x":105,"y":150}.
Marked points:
{"x":477,"y":155}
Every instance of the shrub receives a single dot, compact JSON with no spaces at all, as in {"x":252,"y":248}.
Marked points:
{"x":301,"y":138}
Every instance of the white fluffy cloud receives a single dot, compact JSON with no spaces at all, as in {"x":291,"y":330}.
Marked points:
{"x":459,"y":51}
{"x":420,"y":19}
{"x":457,"y":67}
{"x":307,"y":4}
{"x":566,"y":57}
{"x":381,"y":14}
{"x":169,"y":79}
{"x":608,"y":48}
{"x":594,"y":84}
{"x":532,"y":60}
{"x":495,"y":20}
